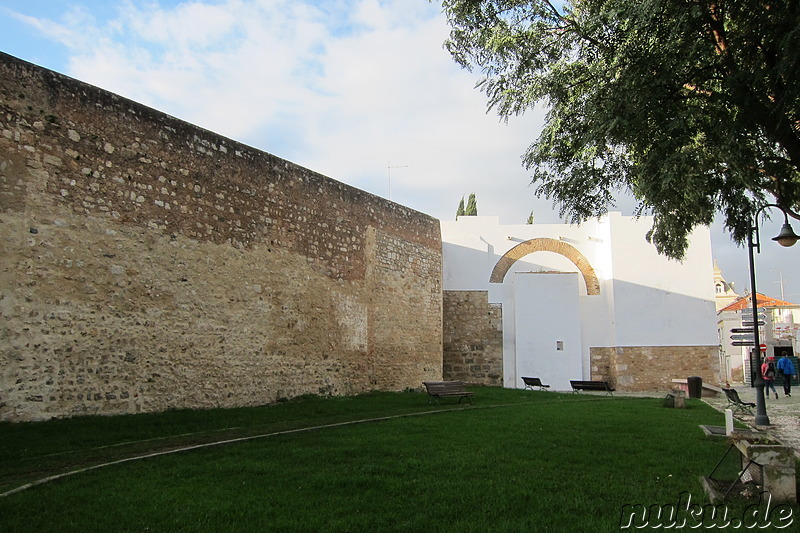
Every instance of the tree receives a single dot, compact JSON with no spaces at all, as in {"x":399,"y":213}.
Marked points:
{"x":460,"y":210}
{"x":691,"y":106}
{"x":530,"y":218}
{"x":472,"y":206}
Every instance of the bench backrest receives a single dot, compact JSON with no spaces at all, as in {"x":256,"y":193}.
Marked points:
{"x":533,"y":382}
{"x":595,"y":385}
{"x":732,"y":395}
{"x":436,"y":387}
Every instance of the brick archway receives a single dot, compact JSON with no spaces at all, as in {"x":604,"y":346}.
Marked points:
{"x":547,"y":245}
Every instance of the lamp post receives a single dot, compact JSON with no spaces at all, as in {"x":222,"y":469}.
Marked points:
{"x":787,"y":238}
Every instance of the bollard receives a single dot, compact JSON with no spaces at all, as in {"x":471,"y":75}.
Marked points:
{"x":728,"y":422}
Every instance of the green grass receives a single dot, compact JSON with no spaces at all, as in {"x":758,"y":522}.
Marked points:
{"x":515,"y":461}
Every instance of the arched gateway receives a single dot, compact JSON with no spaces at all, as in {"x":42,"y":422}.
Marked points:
{"x":547,"y":245}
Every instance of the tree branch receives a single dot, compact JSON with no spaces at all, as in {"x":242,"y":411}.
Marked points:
{"x":717,"y":27}
{"x":570,"y":22}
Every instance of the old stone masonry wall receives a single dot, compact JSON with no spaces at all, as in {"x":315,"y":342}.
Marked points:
{"x":149,"y":264}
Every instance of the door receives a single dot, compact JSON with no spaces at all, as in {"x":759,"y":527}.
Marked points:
{"x":548,"y":327}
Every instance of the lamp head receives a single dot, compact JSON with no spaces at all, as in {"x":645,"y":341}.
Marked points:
{"x":787,"y":236}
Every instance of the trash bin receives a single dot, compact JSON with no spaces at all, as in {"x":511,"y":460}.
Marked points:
{"x":695,"y":386}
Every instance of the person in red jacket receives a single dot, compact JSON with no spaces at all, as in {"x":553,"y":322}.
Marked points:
{"x":768,"y":373}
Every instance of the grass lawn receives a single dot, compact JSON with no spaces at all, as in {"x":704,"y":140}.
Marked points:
{"x":515,"y":461}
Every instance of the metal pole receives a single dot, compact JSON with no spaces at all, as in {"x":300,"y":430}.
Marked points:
{"x":761,"y":418}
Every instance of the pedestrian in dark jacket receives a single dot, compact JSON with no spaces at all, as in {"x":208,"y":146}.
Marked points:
{"x":786,"y":368}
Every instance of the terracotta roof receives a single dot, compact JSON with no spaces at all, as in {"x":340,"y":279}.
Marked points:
{"x":762,"y":301}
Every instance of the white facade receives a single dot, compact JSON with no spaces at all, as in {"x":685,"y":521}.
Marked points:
{"x":724,"y":291}
{"x":779,"y":332}
{"x":552,"y":312}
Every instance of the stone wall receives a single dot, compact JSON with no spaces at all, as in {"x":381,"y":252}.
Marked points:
{"x":150,"y":264}
{"x":649,"y":368}
{"x":472,"y":338}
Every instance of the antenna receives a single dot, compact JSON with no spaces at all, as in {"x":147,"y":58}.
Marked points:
{"x":782,"y":282}
{"x":389,"y":168}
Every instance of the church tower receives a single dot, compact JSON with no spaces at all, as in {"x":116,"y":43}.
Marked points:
{"x":725,"y":295}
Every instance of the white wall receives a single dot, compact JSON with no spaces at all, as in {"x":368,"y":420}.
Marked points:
{"x":473,"y":245}
{"x":645,"y":299}
{"x":548,"y":328}
{"x":468,"y":250}
{"x":660,"y":301}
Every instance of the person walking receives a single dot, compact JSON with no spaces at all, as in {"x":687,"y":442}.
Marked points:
{"x":768,"y":373}
{"x":786,"y":368}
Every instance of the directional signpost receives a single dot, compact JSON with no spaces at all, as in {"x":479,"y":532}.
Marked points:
{"x":745,"y":336}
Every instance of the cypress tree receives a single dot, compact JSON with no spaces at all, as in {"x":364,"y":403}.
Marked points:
{"x":472,"y":206}
{"x":460,"y":210}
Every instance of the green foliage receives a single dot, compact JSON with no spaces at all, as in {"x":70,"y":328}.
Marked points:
{"x":472,"y":206}
{"x":691,"y":106}
{"x":460,"y":211}
{"x":530,"y":218}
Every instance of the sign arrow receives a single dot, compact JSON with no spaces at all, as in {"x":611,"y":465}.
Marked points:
{"x":759,"y":323}
{"x":744,"y":343}
{"x":741,"y":330}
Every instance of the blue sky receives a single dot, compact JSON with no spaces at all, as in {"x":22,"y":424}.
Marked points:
{"x":347,"y":88}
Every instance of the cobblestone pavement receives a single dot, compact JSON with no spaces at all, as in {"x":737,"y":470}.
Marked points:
{"x":783,"y":413}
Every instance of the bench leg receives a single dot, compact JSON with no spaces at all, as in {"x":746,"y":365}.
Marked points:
{"x":740,"y":408}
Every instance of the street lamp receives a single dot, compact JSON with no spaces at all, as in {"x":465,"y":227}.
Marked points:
{"x":787,"y":238}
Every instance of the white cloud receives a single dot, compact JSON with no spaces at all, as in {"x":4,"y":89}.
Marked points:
{"x":187,"y":27}
{"x":341,"y":87}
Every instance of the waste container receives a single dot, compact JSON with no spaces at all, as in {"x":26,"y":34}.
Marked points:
{"x":695,"y":386}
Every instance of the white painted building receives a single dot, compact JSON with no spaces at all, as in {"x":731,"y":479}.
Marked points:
{"x":724,"y":291}
{"x":778,"y":333}
{"x":594,"y":301}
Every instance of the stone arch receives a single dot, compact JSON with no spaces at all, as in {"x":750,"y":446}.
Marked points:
{"x":547,"y":245}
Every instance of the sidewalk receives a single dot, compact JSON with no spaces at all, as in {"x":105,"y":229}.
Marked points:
{"x":783,"y":413}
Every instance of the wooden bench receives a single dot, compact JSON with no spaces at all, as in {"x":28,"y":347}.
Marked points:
{"x":578,"y":385}
{"x":443,"y":389}
{"x":736,"y":403}
{"x":530,"y":383}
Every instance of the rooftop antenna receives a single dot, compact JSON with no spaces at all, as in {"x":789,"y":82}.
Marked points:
{"x":782,"y":282}
{"x":389,"y":168}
